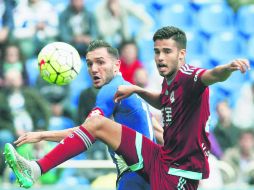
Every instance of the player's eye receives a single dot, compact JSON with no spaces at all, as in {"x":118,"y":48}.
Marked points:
{"x":167,"y":51}
{"x":156,"y":52}
{"x":100,"y":62}
{"x":89,"y":64}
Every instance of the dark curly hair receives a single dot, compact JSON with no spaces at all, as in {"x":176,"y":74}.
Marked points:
{"x":171,"y":32}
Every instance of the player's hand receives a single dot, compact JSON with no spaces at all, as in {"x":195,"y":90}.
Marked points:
{"x":124,"y":91}
{"x":239,"y":64}
{"x":30,"y":137}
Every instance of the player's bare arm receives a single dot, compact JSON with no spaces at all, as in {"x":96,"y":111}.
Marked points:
{"x":158,"y":130}
{"x":34,"y":137}
{"x":125,"y":91}
{"x":223,"y":72}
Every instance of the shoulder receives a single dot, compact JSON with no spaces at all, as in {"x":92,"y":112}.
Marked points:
{"x":111,"y":88}
{"x":189,"y":71}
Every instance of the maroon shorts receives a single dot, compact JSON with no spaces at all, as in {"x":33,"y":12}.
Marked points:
{"x":144,"y":156}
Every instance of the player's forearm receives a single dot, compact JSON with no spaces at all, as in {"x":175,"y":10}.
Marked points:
{"x":56,"y":136}
{"x":217,"y":74}
{"x":152,"y":98}
{"x":221,"y":73}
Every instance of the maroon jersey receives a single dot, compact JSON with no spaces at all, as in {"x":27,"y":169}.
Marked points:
{"x":185,"y":109}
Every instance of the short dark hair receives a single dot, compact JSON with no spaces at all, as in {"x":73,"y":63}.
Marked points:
{"x":102,"y":44}
{"x":171,"y":32}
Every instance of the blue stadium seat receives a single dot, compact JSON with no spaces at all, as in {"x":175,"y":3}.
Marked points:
{"x":196,"y":43}
{"x":198,"y":4}
{"x":251,"y":75}
{"x":160,"y":2}
{"x":167,"y":2}
{"x":229,"y":89}
{"x":178,"y":14}
{"x":199,"y":61}
{"x":196,"y":49}
{"x":234,"y":82}
{"x":250,"y":48}
{"x":225,"y":46}
{"x":215,"y":18}
{"x":245,"y":20}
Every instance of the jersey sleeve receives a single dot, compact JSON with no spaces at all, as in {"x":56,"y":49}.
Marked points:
{"x":191,"y":78}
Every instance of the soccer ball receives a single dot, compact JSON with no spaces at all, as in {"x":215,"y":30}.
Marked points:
{"x":59,"y":63}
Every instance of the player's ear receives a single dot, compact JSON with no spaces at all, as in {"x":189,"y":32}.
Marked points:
{"x":117,"y":65}
{"x":182,"y":54}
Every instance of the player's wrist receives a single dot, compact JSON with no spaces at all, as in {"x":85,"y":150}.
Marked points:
{"x":137,"y":89}
{"x":46,"y":135}
{"x":42,"y":135}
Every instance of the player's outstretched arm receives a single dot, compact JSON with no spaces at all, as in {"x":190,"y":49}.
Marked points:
{"x":34,"y":137}
{"x":125,"y":91}
{"x":223,"y":72}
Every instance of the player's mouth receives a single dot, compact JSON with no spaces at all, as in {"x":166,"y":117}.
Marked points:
{"x":161,"y":66}
{"x":96,"y":79}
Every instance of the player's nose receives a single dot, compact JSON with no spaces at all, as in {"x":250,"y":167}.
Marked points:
{"x":160,"y":57}
{"x":94,"y":68}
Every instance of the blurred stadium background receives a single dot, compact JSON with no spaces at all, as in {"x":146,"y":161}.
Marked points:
{"x":217,"y":31}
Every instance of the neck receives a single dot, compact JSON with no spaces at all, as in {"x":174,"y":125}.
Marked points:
{"x":169,"y":78}
{"x":172,"y":76}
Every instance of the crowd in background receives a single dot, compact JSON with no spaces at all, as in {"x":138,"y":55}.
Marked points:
{"x":27,"y":103}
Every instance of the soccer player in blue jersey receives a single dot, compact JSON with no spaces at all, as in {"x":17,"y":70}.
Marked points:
{"x":103,"y":66}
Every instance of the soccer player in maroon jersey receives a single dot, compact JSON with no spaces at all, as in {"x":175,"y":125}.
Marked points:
{"x":183,"y":160}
